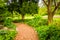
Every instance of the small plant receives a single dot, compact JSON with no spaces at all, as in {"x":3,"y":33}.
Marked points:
{"x":8,"y":23}
{"x":7,"y":34}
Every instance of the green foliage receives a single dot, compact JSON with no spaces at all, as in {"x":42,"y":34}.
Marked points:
{"x":57,"y":21}
{"x":7,"y":34}
{"x":3,"y":13}
{"x":37,"y":21}
{"x":42,"y":11}
{"x":28,"y":8}
{"x":42,"y":32}
{"x":45,"y":32}
{"x":2,"y":2}
{"x":51,"y":32}
{"x":23,"y":7}
{"x":12,"y":7}
{"x":8,"y":23}
{"x":58,"y":11}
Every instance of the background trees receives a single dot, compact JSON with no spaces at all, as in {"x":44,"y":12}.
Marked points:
{"x":3,"y":9}
{"x":23,"y":7}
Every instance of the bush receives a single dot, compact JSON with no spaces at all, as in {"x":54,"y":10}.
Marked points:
{"x":51,"y":32}
{"x":8,"y":23}
{"x":54,"y":32}
{"x":3,"y":13}
{"x":42,"y":11}
{"x":57,"y":21}
{"x":37,"y":21}
{"x":7,"y":34}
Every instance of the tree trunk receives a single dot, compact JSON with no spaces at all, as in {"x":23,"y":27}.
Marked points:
{"x":50,"y":12}
{"x":50,"y":15}
{"x":23,"y":17}
{"x":50,"y":18}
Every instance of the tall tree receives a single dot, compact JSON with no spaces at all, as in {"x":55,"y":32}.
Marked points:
{"x":27,"y":7}
{"x":23,"y":7}
{"x":49,"y":4}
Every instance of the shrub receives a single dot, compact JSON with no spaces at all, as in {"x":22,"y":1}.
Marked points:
{"x":7,"y":34}
{"x":57,"y":21}
{"x":51,"y":32}
{"x":42,"y":32}
{"x":8,"y":23}
{"x":42,"y":11}
{"x":3,"y":13}
{"x":37,"y":21}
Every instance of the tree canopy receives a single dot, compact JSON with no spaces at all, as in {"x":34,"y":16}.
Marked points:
{"x":23,"y":6}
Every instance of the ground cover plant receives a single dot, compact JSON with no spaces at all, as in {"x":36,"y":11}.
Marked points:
{"x":8,"y":23}
{"x":8,"y":32}
{"x":37,"y":21}
{"x":48,"y":32}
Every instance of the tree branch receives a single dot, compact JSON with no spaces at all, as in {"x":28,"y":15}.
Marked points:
{"x":55,"y":2}
{"x":45,"y":3}
{"x":58,"y":4}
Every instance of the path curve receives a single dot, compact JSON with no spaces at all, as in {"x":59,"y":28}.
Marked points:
{"x":25,"y":32}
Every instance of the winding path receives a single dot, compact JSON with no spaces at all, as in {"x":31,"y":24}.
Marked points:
{"x":25,"y":32}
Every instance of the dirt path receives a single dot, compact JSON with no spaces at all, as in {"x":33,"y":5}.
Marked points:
{"x":25,"y":32}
